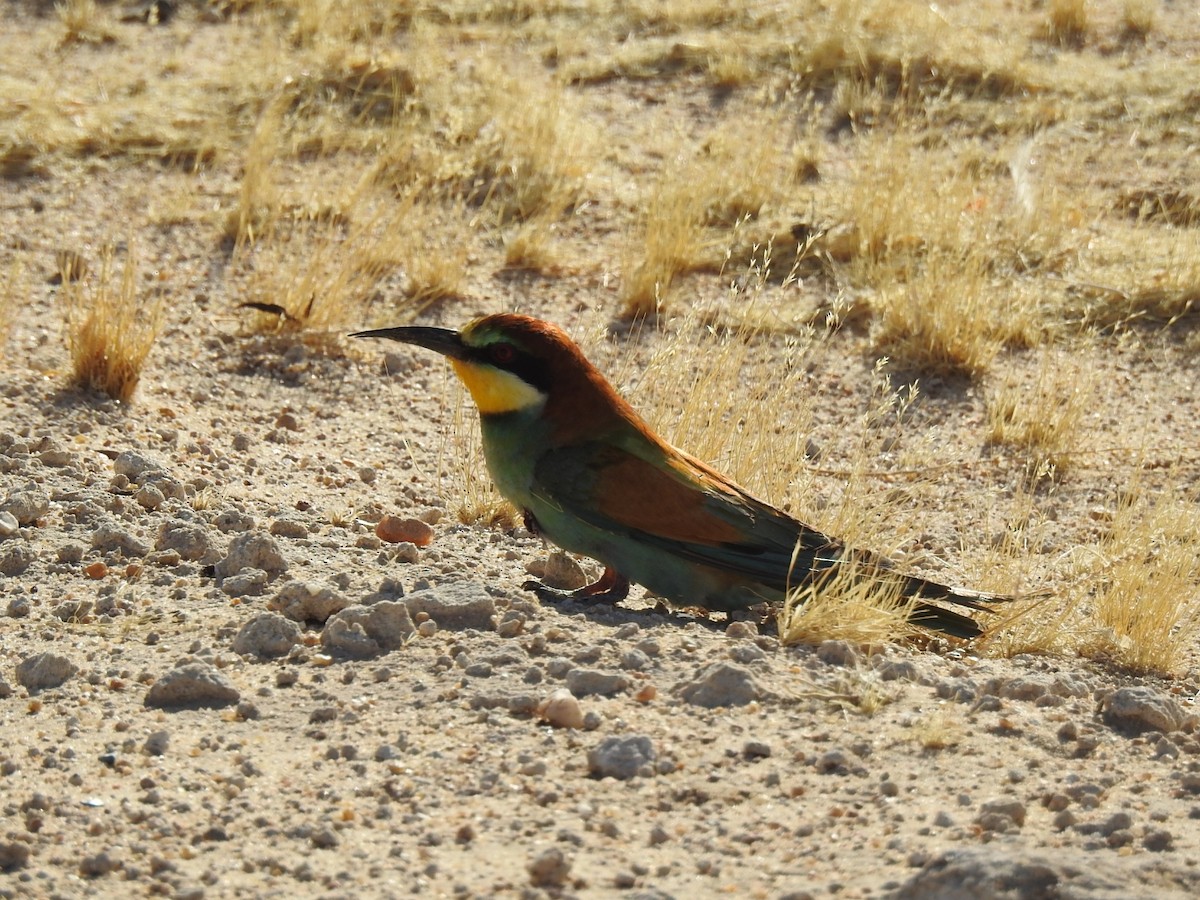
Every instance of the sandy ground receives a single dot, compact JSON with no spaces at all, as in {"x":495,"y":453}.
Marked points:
{"x":421,"y":753}
{"x":216,"y":680}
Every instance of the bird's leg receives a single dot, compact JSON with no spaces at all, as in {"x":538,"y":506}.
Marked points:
{"x":611,"y":587}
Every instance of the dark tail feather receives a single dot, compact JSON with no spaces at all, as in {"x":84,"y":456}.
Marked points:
{"x":938,"y":618}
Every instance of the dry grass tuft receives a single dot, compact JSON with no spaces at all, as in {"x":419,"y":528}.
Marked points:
{"x":84,"y":23}
{"x":1045,"y":419}
{"x":850,"y":603}
{"x":110,"y":330}
{"x":1067,"y":22}
{"x":1147,"y":586}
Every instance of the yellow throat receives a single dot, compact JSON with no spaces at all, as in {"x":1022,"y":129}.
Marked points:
{"x":496,"y":391}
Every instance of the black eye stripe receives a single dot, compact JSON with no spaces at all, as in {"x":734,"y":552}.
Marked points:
{"x":512,"y":359}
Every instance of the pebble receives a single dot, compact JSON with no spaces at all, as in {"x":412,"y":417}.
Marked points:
{"x":363,"y":632}
{"x":16,"y":558}
{"x":192,"y":685}
{"x":252,"y":550}
{"x":396,"y":530}
{"x":562,"y":571}
{"x":156,"y":743}
{"x":585,"y":682}
{"x":8,"y":524}
{"x":266,"y":635}
{"x":247,"y":583}
{"x":720,"y":684}
{"x":307,"y":601}
{"x":135,"y":466}
{"x":622,"y":757}
{"x":838,"y":653}
{"x":464,"y":604}
{"x":288,"y":528}
{"x":26,"y":504}
{"x":13,"y":855}
{"x":561,"y":709}
{"x":549,"y":868}
{"x":111,"y":537}
{"x":1140,"y":708}
{"x":189,"y":540}
{"x":993,"y":812}
{"x":43,"y":671}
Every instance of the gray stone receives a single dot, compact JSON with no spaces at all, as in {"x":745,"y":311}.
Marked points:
{"x":190,"y":540}
{"x":266,"y":635}
{"x":246,"y":583}
{"x":110,"y":537}
{"x":1140,"y":708}
{"x":465,"y":604}
{"x":252,"y":550}
{"x":135,"y":466}
{"x":192,"y":685}
{"x":366,"y":631}
{"x":996,"y":872}
{"x":43,"y":671}
{"x":303,"y":601}
{"x":584,"y":682}
{"x":26,"y":504}
{"x":549,"y":869}
{"x":721,"y":684}
{"x":622,"y":757}
{"x":16,"y":557}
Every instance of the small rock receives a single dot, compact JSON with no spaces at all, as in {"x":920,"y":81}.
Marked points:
{"x":1158,"y":840}
{"x":621,"y":757}
{"x":192,"y":685}
{"x":549,"y":869}
{"x":289,"y":528}
{"x":366,"y":631}
{"x":585,"y":682}
{"x":721,"y":684}
{"x":189,"y":540}
{"x":562,"y":572}
{"x":157,"y":743}
{"x":16,"y":558}
{"x":838,"y":653}
{"x":26,"y":504}
{"x":995,"y":810}
{"x":561,"y":709}
{"x":252,"y":550}
{"x":246,"y":583}
{"x":98,"y":864}
{"x":1140,"y":708}
{"x":396,"y":530}
{"x":464,"y":604}
{"x":43,"y":671}
{"x":110,"y":537}
{"x":135,"y":466}
{"x":148,"y":496}
{"x":13,"y":855}
{"x":266,"y":635}
{"x":8,"y":524}
{"x":303,"y":601}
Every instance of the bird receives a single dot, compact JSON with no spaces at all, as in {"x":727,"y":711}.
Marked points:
{"x":590,"y":475}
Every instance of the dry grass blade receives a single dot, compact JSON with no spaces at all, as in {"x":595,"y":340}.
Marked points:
{"x":110,"y":329}
{"x":1149,"y":587}
{"x":850,"y":602}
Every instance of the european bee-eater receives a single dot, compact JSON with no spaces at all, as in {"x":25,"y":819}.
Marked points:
{"x":590,"y":475}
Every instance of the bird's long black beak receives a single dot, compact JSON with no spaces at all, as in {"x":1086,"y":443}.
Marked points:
{"x":440,"y":340}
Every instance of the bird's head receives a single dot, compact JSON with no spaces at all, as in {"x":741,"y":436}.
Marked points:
{"x":513,"y":363}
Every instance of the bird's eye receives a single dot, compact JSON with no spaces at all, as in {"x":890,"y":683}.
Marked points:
{"x":502,"y":354}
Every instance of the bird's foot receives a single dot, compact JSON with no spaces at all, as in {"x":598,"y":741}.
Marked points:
{"x":611,"y":587}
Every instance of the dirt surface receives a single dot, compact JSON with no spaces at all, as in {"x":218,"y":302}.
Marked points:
{"x":217,"y":680}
